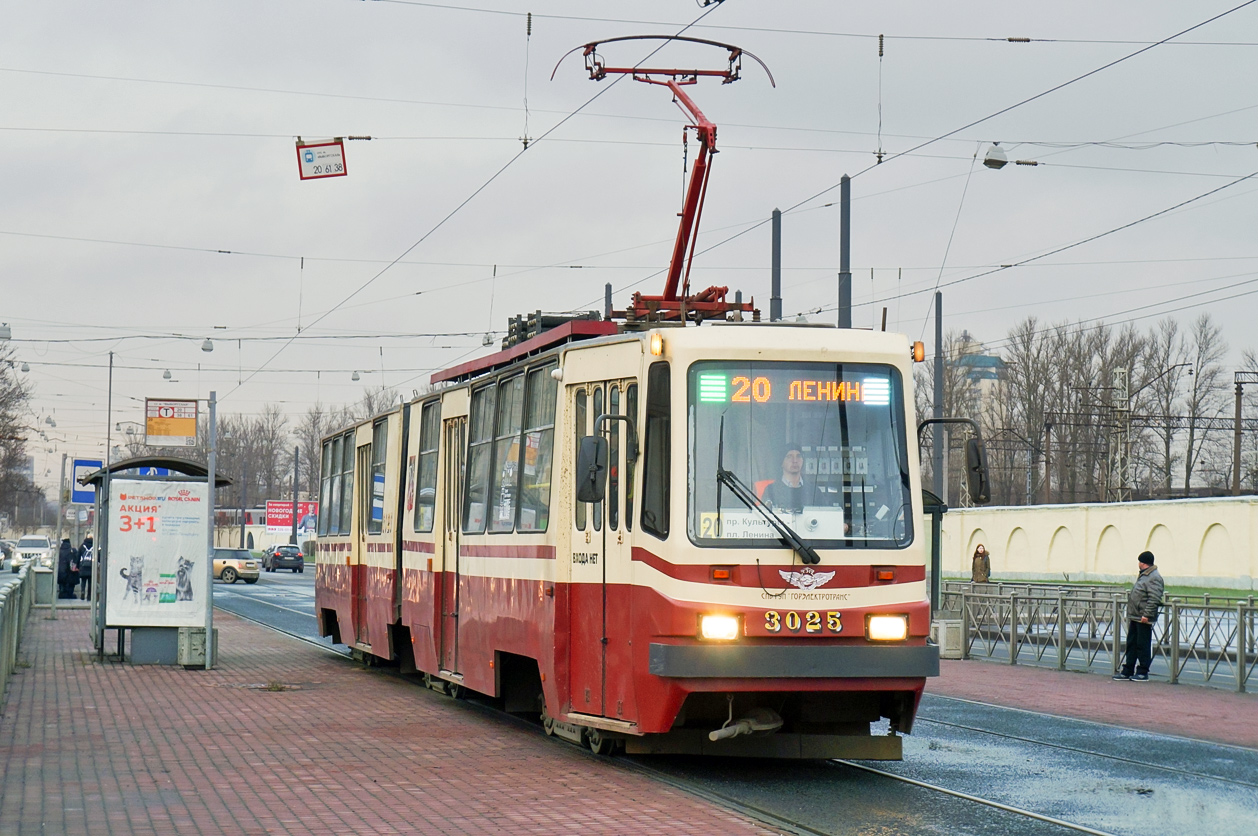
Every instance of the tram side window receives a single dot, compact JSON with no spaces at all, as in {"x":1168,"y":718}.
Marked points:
{"x":347,"y":482}
{"x":597,"y":508}
{"x":613,"y":460}
{"x":655,"y":469}
{"x":325,"y":488}
{"x":426,"y":489}
{"x":505,"y":474}
{"x":578,"y":427}
{"x":631,"y":409}
{"x":334,"y":524}
{"x":539,"y":438}
{"x":480,"y":445}
{"x":379,"y":449}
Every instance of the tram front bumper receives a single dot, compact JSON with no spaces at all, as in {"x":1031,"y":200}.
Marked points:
{"x":762,"y":661}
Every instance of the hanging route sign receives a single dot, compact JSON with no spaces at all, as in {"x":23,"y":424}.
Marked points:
{"x":170,"y":423}
{"x":317,"y":160}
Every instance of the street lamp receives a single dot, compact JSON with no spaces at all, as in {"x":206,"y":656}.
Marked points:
{"x":995,"y":157}
{"x":208,"y":345}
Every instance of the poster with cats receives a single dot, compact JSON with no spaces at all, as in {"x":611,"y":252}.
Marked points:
{"x":155,"y":570}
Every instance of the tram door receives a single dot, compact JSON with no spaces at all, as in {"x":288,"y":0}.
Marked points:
{"x":359,"y":581}
{"x":455,"y":441}
{"x":598,"y":624}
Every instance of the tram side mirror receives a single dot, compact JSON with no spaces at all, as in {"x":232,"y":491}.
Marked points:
{"x":591,"y":469}
{"x":976,"y":472}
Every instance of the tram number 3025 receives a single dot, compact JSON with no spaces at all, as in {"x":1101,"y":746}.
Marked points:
{"x":809,"y":622}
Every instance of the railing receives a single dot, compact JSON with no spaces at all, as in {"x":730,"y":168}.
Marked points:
{"x":1198,"y":639}
{"x":15,"y":605}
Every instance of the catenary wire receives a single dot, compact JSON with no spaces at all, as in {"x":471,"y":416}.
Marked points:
{"x":471,"y":197}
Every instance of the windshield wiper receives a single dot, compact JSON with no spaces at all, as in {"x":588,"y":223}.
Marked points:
{"x":748,"y":497}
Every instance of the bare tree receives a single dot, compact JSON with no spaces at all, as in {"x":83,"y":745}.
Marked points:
{"x":1165,"y":365}
{"x":315,"y":424}
{"x":17,"y":490}
{"x":1207,"y":395}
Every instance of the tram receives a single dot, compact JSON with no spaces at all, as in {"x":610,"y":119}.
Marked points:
{"x":670,"y":529}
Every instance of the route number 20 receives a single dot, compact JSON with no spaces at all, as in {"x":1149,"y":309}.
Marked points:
{"x":810,"y":622}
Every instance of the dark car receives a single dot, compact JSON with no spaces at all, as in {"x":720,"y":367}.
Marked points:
{"x":284,"y":557}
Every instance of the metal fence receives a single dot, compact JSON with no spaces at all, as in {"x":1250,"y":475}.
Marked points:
{"x":1198,"y":638}
{"x":15,"y":605}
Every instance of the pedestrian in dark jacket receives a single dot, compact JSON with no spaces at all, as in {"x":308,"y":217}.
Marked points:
{"x":67,"y":569}
{"x":1143,"y":603}
{"x":85,"y":568}
{"x":981,"y":567}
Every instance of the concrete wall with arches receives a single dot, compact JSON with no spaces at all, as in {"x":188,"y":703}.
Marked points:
{"x":1199,"y":542}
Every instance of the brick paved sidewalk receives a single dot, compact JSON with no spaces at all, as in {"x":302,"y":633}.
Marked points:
{"x":92,"y":748}
{"x":1185,"y":710}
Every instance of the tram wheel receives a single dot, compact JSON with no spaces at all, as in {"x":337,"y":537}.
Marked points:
{"x":455,"y":690}
{"x":599,"y":743}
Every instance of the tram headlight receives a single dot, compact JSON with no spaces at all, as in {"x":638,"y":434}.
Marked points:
{"x":887,"y":628}
{"x":718,"y":627}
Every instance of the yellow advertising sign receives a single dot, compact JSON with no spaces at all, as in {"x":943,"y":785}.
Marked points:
{"x":170,"y":423}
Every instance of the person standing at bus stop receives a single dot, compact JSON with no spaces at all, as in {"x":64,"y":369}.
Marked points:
{"x":1143,"y":602}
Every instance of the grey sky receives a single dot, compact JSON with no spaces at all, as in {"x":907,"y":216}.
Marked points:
{"x":141,"y":138}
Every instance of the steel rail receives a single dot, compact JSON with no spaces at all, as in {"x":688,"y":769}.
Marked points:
{"x":976,"y":799}
{"x":1076,"y":750}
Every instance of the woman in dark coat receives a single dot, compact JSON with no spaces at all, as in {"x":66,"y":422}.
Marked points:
{"x":981,"y":567}
{"x":67,"y":578}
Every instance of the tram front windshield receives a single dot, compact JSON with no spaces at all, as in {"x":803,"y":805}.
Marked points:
{"x":821,"y":444}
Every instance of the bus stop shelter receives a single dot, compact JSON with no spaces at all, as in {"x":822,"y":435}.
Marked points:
{"x":150,"y":573}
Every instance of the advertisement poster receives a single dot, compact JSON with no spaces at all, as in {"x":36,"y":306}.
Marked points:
{"x":279,"y":518}
{"x":157,"y":550}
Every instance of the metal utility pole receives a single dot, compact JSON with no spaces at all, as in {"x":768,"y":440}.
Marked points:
{"x":1048,"y":468}
{"x":292,"y":538}
{"x":244,"y":497}
{"x":209,"y":552}
{"x":775,"y":300}
{"x":937,"y":451}
{"x":1241,"y":379}
{"x":61,"y":515}
{"x":845,"y":254}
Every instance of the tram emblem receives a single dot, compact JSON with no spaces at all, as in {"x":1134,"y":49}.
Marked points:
{"x":806,"y":580}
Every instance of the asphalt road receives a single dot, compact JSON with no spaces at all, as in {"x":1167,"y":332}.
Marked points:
{"x":1104,"y":778}
{"x":281,"y":600}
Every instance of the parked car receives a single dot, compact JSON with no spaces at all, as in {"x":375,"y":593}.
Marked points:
{"x":32,"y":548}
{"x":283,"y":557}
{"x":233,"y":564}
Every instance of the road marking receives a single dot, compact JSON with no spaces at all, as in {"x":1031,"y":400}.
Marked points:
{"x":277,"y":606}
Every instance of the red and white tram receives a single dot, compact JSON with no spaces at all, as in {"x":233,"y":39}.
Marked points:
{"x":736,"y":568}
{"x":673,"y":615}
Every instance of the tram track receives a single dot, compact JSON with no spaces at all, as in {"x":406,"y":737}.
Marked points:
{"x":987,"y":802}
{"x":1090,"y":752}
{"x":812,"y":799}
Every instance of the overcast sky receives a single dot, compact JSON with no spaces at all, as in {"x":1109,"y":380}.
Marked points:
{"x":150,"y":199}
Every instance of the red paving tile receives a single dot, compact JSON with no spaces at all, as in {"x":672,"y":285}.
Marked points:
{"x":92,"y":748}
{"x":1184,"y":710}
{"x":105,"y":748}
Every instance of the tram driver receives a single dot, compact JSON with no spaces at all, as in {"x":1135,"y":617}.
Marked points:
{"x":787,"y":493}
